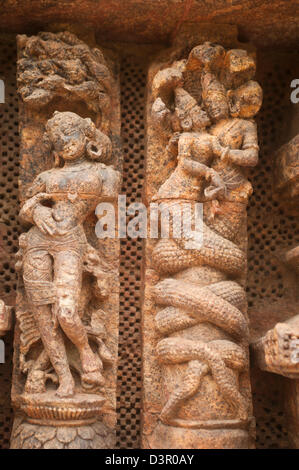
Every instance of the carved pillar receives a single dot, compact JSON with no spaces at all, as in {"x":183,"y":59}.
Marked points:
{"x":65,"y":350}
{"x":201,"y":139}
{"x":278,"y":350}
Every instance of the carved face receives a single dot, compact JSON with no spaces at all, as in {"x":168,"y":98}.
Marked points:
{"x":69,"y":143}
{"x":194,"y":119}
{"x":67,"y":132}
{"x":245,"y":101}
{"x":200,"y":118}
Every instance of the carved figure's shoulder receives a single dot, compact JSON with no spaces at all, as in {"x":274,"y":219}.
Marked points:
{"x":248,"y":125}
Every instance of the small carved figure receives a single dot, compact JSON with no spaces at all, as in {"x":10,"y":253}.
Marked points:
{"x":195,"y":150}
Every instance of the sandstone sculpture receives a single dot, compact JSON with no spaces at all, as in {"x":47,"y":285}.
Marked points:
{"x":201,"y":140}
{"x":66,"y":312}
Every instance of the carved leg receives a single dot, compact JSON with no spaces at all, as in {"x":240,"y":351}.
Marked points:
{"x":68,"y":266}
{"x":38,"y":267}
{"x":190,"y":384}
{"x":54,"y":345}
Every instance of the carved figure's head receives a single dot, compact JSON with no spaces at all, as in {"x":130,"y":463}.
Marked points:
{"x":206,"y":56}
{"x":73,"y":137}
{"x":188,"y":114}
{"x":245,"y":101}
{"x":214,"y":97}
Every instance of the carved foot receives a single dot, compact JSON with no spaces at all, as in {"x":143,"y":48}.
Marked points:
{"x":91,"y":380}
{"x":104,"y":353}
{"x":92,"y":367}
{"x":66,"y":388}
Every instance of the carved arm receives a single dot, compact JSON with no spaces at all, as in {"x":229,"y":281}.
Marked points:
{"x":245,"y":157}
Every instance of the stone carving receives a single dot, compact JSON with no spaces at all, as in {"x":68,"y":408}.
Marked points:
{"x":66,"y":312}
{"x":61,"y":65}
{"x":203,"y":106}
{"x":54,"y":259}
{"x":278,"y":350}
{"x":93,"y":436}
{"x":55,"y":253}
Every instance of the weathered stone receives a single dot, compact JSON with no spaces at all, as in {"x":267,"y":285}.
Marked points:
{"x":264,"y":23}
{"x":66,"y":435}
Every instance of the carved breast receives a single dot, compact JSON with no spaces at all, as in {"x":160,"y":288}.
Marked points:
{"x":83,"y":180}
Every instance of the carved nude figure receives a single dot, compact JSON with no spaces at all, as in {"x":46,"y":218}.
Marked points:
{"x":55,"y":249}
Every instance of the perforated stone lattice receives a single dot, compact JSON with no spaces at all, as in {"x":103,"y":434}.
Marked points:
{"x":9,"y":150}
{"x":133,"y":78}
{"x":270,"y":229}
{"x":267,"y":225}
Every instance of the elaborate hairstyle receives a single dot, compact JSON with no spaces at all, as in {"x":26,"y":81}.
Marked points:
{"x":188,"y":112}
{"x":214,"y":97}
{"x":98,"y":146}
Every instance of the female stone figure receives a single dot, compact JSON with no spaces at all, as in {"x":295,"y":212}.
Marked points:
{"x":55,"y":248}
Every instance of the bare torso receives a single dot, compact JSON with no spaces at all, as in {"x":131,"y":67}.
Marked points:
{"x":74,"y":191}
{"x":237,"y":134}
{"x":181,"y":184}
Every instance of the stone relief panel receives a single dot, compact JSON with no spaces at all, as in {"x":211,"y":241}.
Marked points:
{"x":66,"y":335}
{"x":202,"y":138}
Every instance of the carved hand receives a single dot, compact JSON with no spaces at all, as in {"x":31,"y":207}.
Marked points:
{"x":246,"y":157}
{"x":43,"y":219}
{"x":217,"y":187}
